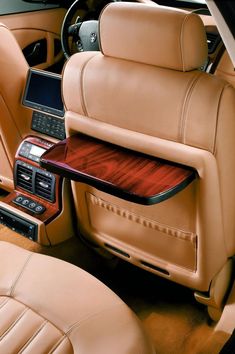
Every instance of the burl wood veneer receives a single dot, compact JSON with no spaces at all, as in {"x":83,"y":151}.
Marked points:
{"x":124,"y":173}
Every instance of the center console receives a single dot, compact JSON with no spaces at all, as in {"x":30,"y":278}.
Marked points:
{"x":40,"y":206}
{"x":37,"y":192}
{"x":43,"y":95}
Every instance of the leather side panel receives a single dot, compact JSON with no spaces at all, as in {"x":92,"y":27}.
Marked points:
{"x":225,"y":69}
{"x":15,"y":119}
{"x":6,"y":176}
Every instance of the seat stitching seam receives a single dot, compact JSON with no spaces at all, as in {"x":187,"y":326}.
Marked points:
{"x":39,"y":314}
{"x":152,"y":224}
{"x":217,"y":116}
{"x":14,"y":323}
{"x":182,"y":118}
{"x":58,"y":343}
{"x":80,"y":322}
{"x":33,"y":336}
{"x":186,"y":106}
{"x":181,"y":39}
{"x":4,"y":302}
{"x":85,"y":111}
{"x":20,"y":275}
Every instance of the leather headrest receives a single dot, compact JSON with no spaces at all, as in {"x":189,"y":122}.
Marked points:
{"x":154,"y":35}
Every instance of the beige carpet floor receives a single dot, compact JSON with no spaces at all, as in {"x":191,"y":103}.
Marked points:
{"x":171,"y":316}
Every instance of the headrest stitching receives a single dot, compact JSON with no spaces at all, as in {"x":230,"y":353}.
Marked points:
{"x":181,"y":39}
{"x":187,"y":102}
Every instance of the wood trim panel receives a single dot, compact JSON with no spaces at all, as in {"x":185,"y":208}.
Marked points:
{"x":52,"y":209}
{"x":127,"y":174}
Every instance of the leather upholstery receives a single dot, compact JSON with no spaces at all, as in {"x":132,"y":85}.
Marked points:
{"x":30,"y":27}
{"x":225,"y":69}
{"x":184,"y":117}
{"x":14,"y":118}
{"x":50,"y":306}
{"x":175,"y":42}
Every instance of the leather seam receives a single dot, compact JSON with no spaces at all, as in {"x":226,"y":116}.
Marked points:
{"x":32,"y":338}
{"x":190,"y":86}
{"x":222,"y":71}
{"x":141,"y":220}
{"x":4,"y":302}
{"x":58,"y":343}
{"x":87,"y":318}
{"x":14,"y":323}
{"x":38,"y":313}
{"x":20,"y":275}
{"x":186,"y":107}
{"x":62,"y":83}
{"x":83,"y":101}
{"x":181,"y":40}
{"x":217,"y":117}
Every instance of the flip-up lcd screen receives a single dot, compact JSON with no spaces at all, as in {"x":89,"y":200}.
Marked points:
{"x":43,"y":92}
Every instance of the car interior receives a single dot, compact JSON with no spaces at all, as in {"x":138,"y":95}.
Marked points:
{"x":117,"y":196}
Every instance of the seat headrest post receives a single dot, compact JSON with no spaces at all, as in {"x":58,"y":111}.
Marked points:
{"x":154,"y":35}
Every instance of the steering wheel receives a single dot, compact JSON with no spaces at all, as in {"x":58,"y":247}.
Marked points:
{"x":84,"y":34}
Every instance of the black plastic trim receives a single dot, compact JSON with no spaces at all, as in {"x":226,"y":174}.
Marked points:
{"x":18,"y":224}
{"x":35,"y":170}
{"x":117,"y":250}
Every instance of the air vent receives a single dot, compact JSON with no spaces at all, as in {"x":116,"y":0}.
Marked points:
{"x":24,"y":177}
{"x":45,"y":185}
{"x":213,"y":40}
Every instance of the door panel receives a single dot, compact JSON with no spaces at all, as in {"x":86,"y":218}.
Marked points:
{"x":17,"y":6}
{"x":31,"y":27}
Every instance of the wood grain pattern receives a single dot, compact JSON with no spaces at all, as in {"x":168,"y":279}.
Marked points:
{"x":52,"y":209}
{"x":115,"y":170}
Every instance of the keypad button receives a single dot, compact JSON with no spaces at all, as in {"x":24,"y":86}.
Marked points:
{"x":25,"y":202}
{"x":32,"y":205}
{"x":48,"y":125}
{"x":39,"y":209}
{"x":19,"y":199}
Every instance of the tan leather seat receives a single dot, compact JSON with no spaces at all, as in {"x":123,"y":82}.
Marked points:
{"x":14,"y":118}
{"x":50,"y":306}
{"x":145,"y":92}
{"x":225,"y":69}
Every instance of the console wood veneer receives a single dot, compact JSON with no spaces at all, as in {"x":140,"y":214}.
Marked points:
{"x":52,"y":208}
{"x":124,"y":173}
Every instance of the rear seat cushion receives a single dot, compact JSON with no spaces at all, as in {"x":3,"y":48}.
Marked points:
{"x":48,"y":305}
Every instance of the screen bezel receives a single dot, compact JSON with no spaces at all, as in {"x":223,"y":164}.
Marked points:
{"x":42,"y":108}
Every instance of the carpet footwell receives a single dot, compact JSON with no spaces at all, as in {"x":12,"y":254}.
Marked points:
{"x":169,"y":312}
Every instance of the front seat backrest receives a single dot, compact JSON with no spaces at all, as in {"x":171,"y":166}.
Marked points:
{"x":145,"y":92}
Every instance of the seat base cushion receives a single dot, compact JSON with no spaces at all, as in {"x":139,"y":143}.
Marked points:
{"x":48,"y":305}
